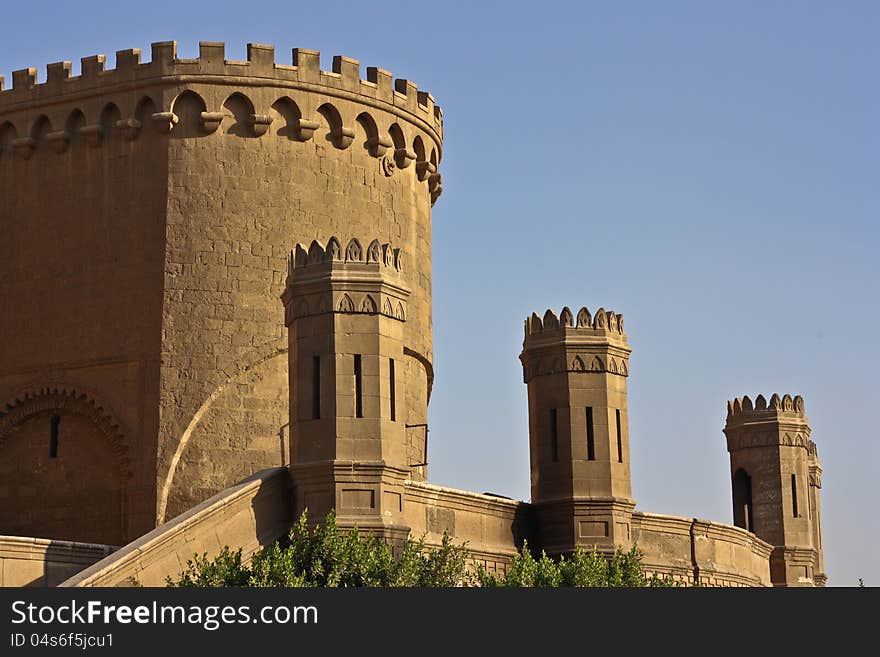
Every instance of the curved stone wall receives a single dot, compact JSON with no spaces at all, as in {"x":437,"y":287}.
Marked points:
{"x":700,"y":551}
{"x":156,"y":203}
{"x":28,"y":561}
{"x":249,"y":515}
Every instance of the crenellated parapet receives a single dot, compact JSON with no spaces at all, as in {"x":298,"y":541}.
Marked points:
{"x":779,"y":421}
{"x":354,"y":280}
{"x":586,"y":342}
{"x":786,"y":405}
{"x":343,"y":80}
{"x":257,"y":98}
{"x":606,"y":321}
{"x":776,"y":477}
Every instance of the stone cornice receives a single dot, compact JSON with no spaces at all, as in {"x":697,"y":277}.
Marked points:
{"x":461,"y":499}
{"x":743,"y":439}
{"x":397,"y":96}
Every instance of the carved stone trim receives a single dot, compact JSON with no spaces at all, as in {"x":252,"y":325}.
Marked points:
{"x":64,"y":400}
{"x":23,"y":147}
{"x":306,"y":129}
{"x":579,"y":364}
{"x":350,"y":302}
{"x":211,"y":121}
{"x":130,"y":128}
{"x":260,"y":123}
{"x":164,"y":121}
{"x":58,"y":140}
{"x":737,"y":440}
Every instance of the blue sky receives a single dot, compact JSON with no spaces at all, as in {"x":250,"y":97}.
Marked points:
{"x":710,"y":170}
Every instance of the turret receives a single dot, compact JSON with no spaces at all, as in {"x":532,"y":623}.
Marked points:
{"x":576,"y":369}
{"x":346,"y":311}
{"x":776,"y":479}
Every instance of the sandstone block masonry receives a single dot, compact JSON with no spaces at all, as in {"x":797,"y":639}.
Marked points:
{"x":148,"y":211}
{"x":776,"y":480}
{"x":154,"y":214}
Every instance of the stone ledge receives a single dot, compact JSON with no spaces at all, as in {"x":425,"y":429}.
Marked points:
{"x":164,"y":544}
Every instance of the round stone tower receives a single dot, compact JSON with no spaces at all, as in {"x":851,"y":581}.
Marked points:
{"x":148,"y":215}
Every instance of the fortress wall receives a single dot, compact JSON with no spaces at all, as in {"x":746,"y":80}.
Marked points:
{"x":82,"y":224}
{"x":41,"y":562}
{"x":692,"y":550}
{"x":78,"y":496}
{"x":492,"y":527}
{"x":237,"y":204}
{"x":249,"y":515}
{"x":158,"y":222}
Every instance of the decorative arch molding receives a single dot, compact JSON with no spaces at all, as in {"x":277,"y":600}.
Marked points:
{"x":429,"y":368}
{"x":245,"y":365}
{"x":66,"y":400}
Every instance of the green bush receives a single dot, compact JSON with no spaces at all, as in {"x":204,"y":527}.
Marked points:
{"x":580,"y":569}
{"x":325,"y":555}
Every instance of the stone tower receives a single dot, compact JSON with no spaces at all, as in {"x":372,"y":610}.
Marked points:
{"x":776,"y":479}
{"x":346,"y":311}
{"x":576,"y":370}
{"x":153,"y":206}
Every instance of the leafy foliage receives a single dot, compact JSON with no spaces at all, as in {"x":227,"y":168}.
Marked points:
{"x":582,"y":568}
{"x":327,"y":556}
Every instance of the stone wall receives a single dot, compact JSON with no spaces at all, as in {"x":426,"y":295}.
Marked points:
{"x":688,"y":549}
{"x":492,"y":527}
{"x":61,"y":497}
{"x":40,"y":562}
{"x":148,"y":213}
{"x":82,"y":220}
{"x":692,"y":550}
{"x":237,"y":204}
{"x":257,"y":511}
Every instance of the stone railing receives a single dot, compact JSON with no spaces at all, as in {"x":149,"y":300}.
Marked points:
{"x":249,"y":515}
{"x":709,"y":553}
{"x":43,"y":562}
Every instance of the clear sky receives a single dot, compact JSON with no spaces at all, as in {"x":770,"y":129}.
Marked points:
{"x":710,"y":170}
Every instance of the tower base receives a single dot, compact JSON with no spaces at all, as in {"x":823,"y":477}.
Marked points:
{"x":602,"y":524}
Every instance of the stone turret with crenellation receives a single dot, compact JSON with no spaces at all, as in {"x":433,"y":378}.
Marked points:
{"x":576,"y":369}
{"x":776,"y":478}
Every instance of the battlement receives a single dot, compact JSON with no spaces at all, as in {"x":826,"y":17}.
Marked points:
{"x":175,"y":97}
{"x":781,"y":421}
{"x":567,"y":343}
{"x":743,"y":409}
{"x":605,"y":321}
{"x":304,"y":72}
{"x":383,"y":255}
{"x":327,"y":279}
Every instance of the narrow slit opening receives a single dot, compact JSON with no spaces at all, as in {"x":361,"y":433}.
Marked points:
{"x":358,"y":387}
{"x":619,"y":439}
{"x":392,"y":390}
{"x":53,"y":436}
{"x":591,"y":439}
